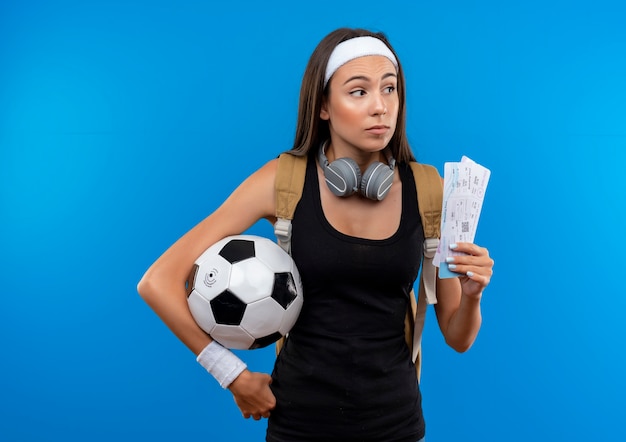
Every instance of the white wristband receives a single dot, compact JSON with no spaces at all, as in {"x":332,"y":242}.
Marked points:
{"x":221,"y":363}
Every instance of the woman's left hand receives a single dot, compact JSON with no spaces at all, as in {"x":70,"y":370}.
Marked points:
{"x":475,"y":267}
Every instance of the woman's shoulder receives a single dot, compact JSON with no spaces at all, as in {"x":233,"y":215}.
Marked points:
{"x":268,"y":170}
{"x":263,"y":176}
{"x":259,"y":189}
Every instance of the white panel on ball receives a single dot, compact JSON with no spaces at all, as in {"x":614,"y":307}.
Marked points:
{"x":251,"y":280}
{"x":263,"y":317}
{"x":201,"y":311}
{"x":232,"y":336}
{"x":213,"y":275}
{"x":274,"y":257}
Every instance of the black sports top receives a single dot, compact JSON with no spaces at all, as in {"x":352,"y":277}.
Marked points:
{"x":345,"y":372}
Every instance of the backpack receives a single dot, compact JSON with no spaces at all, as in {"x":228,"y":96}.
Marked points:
{"x":288,"y":189}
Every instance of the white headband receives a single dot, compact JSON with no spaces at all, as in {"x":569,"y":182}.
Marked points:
{"x":354,"y":48}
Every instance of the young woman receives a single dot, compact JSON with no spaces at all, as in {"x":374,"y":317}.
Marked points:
{"x":345,"y":372}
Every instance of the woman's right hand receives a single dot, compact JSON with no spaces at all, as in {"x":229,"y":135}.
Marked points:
{"x":253,"y":395}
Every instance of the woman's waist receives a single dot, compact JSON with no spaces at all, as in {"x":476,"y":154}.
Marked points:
{"x":348,"y":357}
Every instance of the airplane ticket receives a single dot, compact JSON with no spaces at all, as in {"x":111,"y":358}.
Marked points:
{"x":464,"y":186}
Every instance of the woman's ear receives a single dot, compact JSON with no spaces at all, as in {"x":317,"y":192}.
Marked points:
{"x":324,"y":110}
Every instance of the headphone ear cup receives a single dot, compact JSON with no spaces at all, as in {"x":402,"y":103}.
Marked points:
{"x":343,"y":176}
{"x":377,"y":181}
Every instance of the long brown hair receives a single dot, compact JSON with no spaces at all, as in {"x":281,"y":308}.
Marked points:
{"x":311,"y":130}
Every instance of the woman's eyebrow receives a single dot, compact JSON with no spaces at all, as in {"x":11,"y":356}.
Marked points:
{"x":366,"y":78}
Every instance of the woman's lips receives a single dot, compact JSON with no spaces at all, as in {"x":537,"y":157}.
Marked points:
{"x":378,"y":130}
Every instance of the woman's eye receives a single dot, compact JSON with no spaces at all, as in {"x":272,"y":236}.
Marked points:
{"x":390,"y":89}
{"x":358,"y":93}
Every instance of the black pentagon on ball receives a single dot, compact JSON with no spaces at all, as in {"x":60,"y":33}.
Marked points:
{"x":284,"y":291}
{"x":265,"y":341}
{"x":227,"y":308}
{"x":237,"y":250}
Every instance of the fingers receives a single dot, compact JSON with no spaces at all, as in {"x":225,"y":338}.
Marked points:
{"x":474,"y":262}
{"x":474,"y":266}
{"x":254,"y":397}
{"x":482,"y":280}
{"x":470,"y":249}
{"x":256,"y":416}
{"x":256,"y":411}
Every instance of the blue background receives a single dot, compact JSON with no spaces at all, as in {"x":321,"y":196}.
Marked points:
{"x":122,"y":124}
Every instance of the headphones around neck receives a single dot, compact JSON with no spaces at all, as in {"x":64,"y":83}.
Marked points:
{"x":343,"y":176}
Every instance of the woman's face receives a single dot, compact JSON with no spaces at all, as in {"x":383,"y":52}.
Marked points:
{"x":362,"y":105}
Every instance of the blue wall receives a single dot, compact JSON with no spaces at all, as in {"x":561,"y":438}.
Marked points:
{"x":122,"y":124}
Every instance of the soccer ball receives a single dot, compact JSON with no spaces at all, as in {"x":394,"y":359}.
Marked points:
{"x":245,"y":292}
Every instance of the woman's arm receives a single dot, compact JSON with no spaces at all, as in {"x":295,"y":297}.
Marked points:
{"x":458,"y":299}
{"x":163,"y":284}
